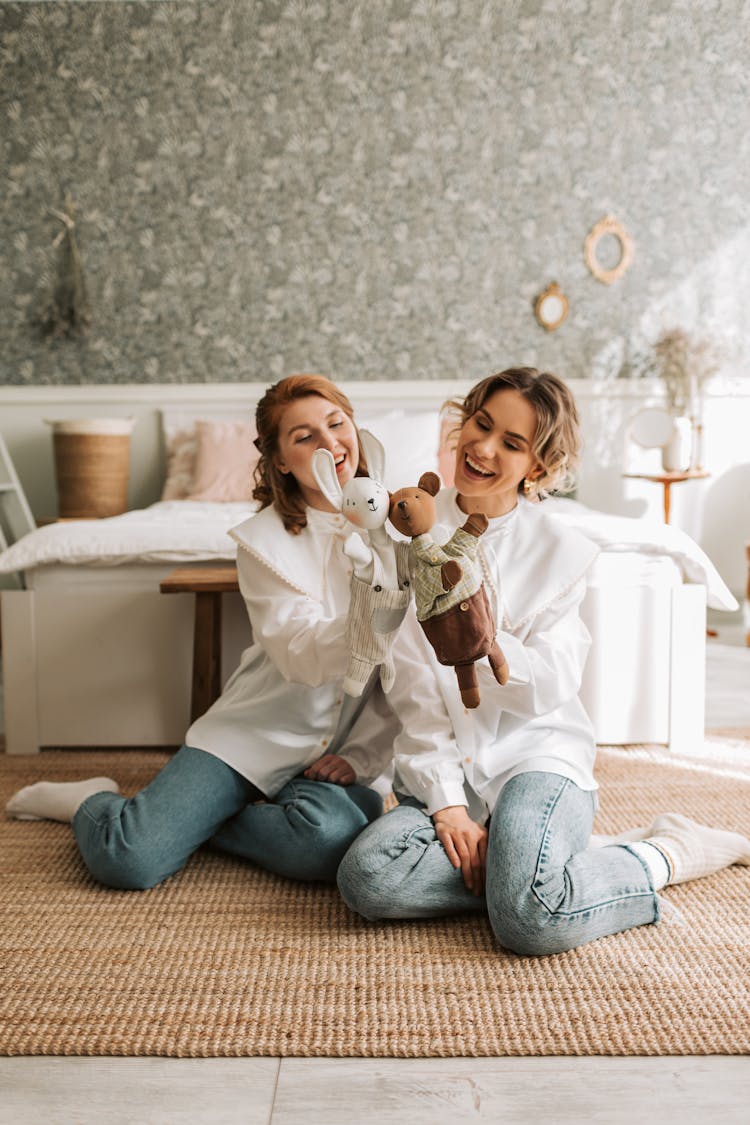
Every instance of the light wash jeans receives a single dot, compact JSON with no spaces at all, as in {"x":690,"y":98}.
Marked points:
{"x":546,"y":890}
{"x":134,"y":843}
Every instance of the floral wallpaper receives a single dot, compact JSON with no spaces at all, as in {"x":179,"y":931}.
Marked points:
{"x":372,"y":190}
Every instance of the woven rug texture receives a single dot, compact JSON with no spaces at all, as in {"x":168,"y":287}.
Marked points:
{"x":226,"y":960}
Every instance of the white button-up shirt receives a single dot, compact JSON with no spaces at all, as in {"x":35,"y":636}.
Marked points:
{"x":283,"y":708}
{"x":535,"y":574}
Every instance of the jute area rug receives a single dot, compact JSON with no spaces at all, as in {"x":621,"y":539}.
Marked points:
{"x":225,"y":960}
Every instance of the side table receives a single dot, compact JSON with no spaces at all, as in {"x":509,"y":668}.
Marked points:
{"x":208,"y":581}
{"x":666,"y":480}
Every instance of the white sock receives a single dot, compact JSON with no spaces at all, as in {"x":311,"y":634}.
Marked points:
{"x":654,"y":860}
{"x":56,"y":800}
{"x":627,"y":837}
{"x":694,"y":850}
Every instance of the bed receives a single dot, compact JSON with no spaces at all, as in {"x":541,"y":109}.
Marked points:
{"x":94,"y":655}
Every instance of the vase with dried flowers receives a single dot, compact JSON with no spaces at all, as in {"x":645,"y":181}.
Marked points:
{"x":685,"y":365}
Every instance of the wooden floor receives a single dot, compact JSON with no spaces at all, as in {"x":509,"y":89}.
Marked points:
{"x":594,"y":1091}
{"x":597,"y":1091}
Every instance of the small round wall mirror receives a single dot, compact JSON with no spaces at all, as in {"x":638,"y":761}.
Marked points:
{"x":652,"y":428}
{"x":608,"y":250}
{"x":551,"y":307}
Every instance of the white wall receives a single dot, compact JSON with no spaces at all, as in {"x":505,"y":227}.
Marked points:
{"x":716,"y":512}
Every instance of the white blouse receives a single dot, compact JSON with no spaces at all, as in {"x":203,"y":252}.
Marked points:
{"x":283,"y":707}
{"x":535,"y":574}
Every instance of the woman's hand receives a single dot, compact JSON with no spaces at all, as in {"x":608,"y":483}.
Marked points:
{"x":331,"y":768}
{"x":465,"y":844}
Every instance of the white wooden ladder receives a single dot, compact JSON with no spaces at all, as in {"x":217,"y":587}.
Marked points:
{"x":16,"y":518}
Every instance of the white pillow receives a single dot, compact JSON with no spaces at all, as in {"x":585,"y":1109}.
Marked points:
{"x":411,"y":441}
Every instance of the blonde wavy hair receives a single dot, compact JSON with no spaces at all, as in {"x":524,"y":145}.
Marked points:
{"x":557,"y":441}
{"x":271,"y":486}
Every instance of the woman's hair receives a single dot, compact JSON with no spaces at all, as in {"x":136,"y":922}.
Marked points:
{"x":271,"y":486}
{"x":557,"y":440}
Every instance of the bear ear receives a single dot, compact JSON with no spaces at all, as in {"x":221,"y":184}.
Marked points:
{"x":429,"y":482}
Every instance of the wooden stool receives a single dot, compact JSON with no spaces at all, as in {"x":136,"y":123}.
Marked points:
{"x":208,"y":581}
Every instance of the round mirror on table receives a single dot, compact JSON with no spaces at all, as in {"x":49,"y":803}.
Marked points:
{"x":652,"y":428}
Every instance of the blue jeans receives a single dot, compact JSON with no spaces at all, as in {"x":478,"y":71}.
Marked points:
{"x":546,"y":891}
{"x":134,"y":843}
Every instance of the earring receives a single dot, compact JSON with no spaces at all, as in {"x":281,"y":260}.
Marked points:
{"x":529,"y":487}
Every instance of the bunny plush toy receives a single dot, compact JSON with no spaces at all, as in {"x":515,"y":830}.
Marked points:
{"x":380,"y":581}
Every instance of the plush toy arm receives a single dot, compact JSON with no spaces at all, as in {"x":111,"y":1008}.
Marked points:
{"x":450,"y":574}
{"x":429,"y":553}
{"x":385,"y":549}
{"x":462,"y":545}
{"x":476,"y":524}
{"x":362,"y":557}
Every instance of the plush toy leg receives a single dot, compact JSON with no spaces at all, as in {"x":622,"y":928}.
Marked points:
{"x":498,"y":664}
{"x":468,"y":684}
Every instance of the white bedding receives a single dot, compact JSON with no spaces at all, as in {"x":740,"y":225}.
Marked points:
{"x":181,"y":531}
{"x":173,"y":531}
{"x":621,"y":534}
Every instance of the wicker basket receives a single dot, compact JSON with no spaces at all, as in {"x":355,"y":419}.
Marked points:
{"x":92,"y":466}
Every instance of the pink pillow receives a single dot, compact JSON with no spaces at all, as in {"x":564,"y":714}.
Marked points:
{"x":225,"y":457}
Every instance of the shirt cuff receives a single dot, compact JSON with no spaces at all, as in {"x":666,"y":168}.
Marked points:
{"x":440,"y":795}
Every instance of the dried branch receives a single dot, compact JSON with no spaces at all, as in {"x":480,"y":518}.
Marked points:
{"x":66,"y":313}
{"x":685,"y":365}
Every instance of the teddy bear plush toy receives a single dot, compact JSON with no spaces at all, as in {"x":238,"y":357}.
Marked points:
{"x":451,"y":601}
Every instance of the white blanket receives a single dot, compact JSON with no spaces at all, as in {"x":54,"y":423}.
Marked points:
{"x":623,"y":534}
{"x":177,"y":531}
{"x":170,"y":531}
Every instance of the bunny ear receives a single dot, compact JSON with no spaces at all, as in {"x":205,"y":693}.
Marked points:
{"x":324,"y":471}
{"x":375,"y":455}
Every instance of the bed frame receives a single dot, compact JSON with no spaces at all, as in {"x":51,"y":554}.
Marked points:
{"x":110,"y":664}
{"x":105,"y":667}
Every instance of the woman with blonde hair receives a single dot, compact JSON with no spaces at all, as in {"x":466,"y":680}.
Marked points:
{"x":497,"y":804}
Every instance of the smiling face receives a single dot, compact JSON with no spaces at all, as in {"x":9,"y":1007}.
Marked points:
{"x":495,"y":454}
{"x":312,"y":423}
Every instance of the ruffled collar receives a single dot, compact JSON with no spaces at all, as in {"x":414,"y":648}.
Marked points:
{"x":301,"y":560}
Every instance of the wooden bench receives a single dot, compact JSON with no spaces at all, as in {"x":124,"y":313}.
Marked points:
{"x":208,"y":581}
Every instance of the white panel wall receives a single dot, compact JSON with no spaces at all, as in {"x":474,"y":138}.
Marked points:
{"x":716,"y":512}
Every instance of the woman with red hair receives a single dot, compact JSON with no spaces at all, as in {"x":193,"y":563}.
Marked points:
{"x":278,"y":769}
